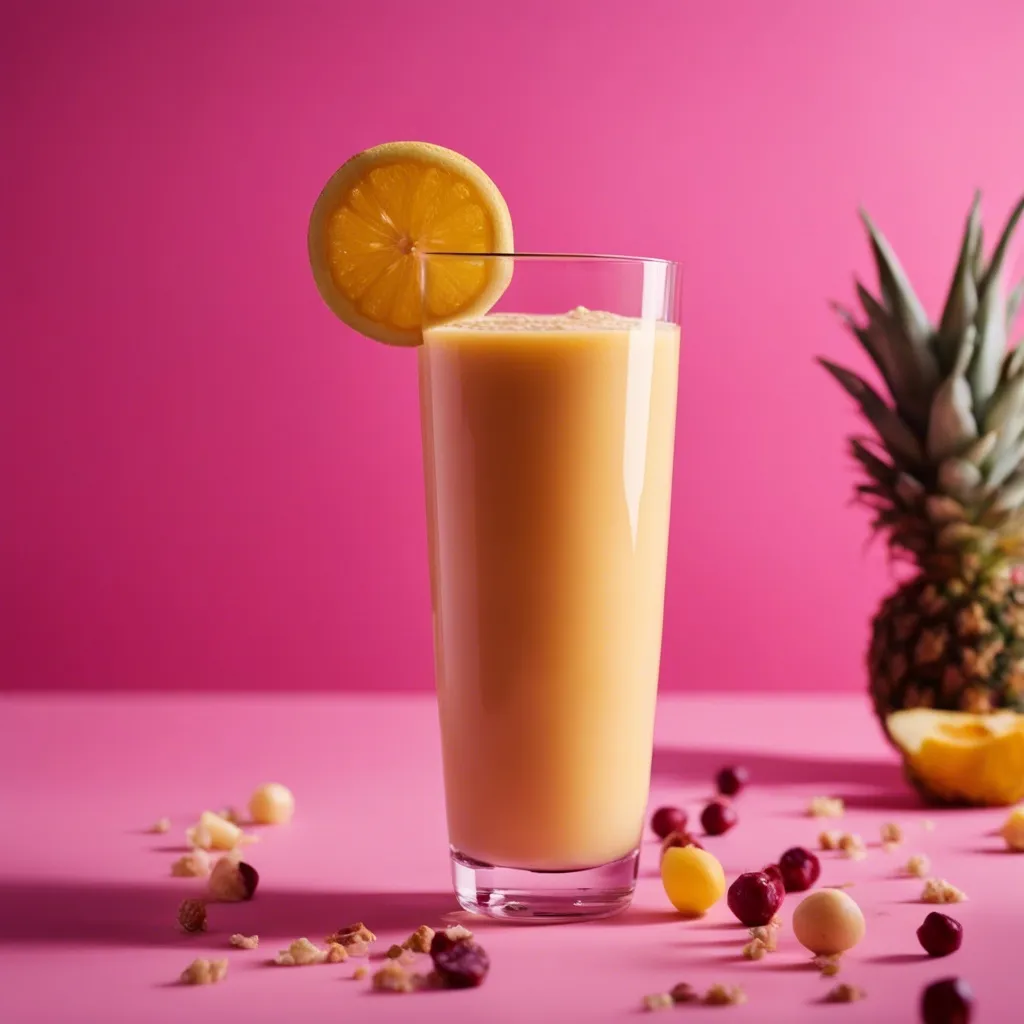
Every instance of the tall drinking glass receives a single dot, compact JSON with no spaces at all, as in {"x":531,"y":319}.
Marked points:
{"x":548,"y":431}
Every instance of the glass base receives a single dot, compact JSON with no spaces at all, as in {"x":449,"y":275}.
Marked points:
{"x":544,"y":897}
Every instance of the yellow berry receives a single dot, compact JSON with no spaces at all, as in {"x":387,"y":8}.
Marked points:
{"x":272,"y":804}
{"x":693,"y":878}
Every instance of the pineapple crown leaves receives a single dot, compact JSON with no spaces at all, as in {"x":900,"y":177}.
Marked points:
{"x":945,"y":468}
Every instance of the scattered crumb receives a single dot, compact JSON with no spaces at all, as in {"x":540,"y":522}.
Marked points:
{"x":356,"y":948}
{"x":845,"y":993}
{"x":767,"y":935}
{"x":192,"y":916}
{"x":393,"y":977}
{"x":336,"y":953}
{"x":891,"y":834}
{"x":853,"y":846}
{"x":918,"y":865}
{"x":204,"y":972}
{"x":351,"y":935}
{"x":938,"y":890}
{"x":755,"y":949}
{"x":360,"y":972}
{"x":829,"y":840}
{"x":828,"y":965}
{"x":725,"y":995}
{"x":457,"y":932}
{"x":300,"y":953}
{"x":161,"y":827}
{"x":420,"y":940}
{"x":928,"y":825}
{"x":395,"y":952}
{"x":192,"y":865}
{"x":684,"y":992}
{"x":826,"y":807}
{"x":245,"y":941}
{"x":658,"y":1001}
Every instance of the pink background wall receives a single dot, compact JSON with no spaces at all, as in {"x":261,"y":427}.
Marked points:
{"x":216,"y":485}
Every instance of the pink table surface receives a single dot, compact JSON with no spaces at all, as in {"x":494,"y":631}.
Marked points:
{"x":87,"y":907}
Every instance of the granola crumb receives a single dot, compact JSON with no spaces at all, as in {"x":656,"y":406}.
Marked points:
{"x":684,"y":992}
{"x":767,"y":935}
{"x":457,"y":931}
{"x":360,"y":972}
{"x":161,"y":826}
{"x":853,"y":846}
{"x":938,"y":890}
{"x":755,"y":949}
{"x":829,"y":839}
{"x":420,"y":940}
{"x":204,"y":972}
{"x":352,"y":935}
{"x":245,"y":941}
{"x":918,"y":865}
{"x":336,"y":953}
{"x":724,"y":995}
{"x":828,"y":965}
{"x":393,"y":977}
{"x":300,"y":953}
{"x":658,"y":1001}
{"x":356,"y":948}
{"x":845,"y":993}
{"x":195,"y":864}
{"x":928,"y":825}
{"x":395,"y":952}
{"x":192,"y":916}
{"x":891,"y":834}
{"x":826,"y":807}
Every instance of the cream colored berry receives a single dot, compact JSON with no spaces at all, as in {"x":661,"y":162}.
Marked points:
{"x":693,"y":879}
{"x":1013,"y":829}
{"x":272,"y":804}
{"x":828,"y":922}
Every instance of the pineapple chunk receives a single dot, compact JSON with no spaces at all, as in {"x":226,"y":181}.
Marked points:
{"x":963,"y":758}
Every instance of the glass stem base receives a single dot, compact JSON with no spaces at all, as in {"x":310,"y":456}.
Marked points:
{"x":544,"y":897}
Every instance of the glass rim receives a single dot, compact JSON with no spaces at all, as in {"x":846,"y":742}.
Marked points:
{"x":553,"y":256}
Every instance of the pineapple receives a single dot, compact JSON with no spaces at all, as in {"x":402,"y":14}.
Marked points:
{"x":943,"y":473}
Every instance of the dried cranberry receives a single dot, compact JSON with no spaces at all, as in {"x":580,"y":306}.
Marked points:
{"x":940,"y":935}
{"x":718,"y":817}
{"x":679,"y":839}
{"x":731,"y":779}
{"x":668,"y":819}
{"x":773,"y":872}
{"x":755,"y":898}
{"x":800,"y":869}
{"x":460,"y":963}
{"x":947,"y":1001}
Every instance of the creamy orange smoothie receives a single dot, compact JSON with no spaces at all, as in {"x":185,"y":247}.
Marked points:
{"x":548,"y":447}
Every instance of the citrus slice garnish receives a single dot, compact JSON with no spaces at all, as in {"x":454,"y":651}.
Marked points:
{"x":381,"y":208}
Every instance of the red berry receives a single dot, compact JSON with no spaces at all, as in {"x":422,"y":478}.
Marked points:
{"x":668,"y":819}
{"x":799,"y":868}
{"x":679,"y":839}
{"x":460,"y":963}
{"x":940,"y":935}
{"x":947,"y":1001}
{"x":731,"y":779}
{"x":755,"y":898}
{"x":718,"y":817}
{"x":773,"y":872}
